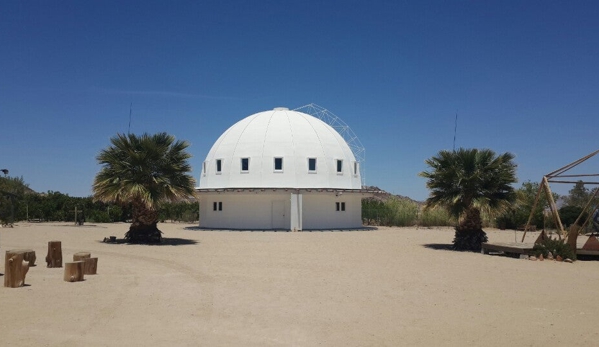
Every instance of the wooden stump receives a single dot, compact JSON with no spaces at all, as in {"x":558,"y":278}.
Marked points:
{"x":15,"y":269}
{"x":91,"y":266}
{"x":73,"y":272}
{"x":81,"y":256}
{"x":28,"y":255}
{"x":54,"y":257}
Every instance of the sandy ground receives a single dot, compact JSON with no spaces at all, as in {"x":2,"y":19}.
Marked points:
{"x":383,"y":287}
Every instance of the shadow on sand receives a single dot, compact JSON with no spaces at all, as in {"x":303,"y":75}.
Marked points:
{"x":166,"y":241}
{"x":440,"y":246}
{"x":280,"y":230}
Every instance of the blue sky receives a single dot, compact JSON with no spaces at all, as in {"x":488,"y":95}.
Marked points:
{"x":523,"y":77}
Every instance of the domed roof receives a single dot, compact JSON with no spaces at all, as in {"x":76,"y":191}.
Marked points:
{"x":280,"y":149}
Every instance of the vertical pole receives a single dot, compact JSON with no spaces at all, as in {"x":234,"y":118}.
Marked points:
{"x":75,"y":215}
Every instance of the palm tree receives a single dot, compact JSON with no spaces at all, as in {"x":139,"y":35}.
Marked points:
{"x":466,"y":182}
{"x":143,"y":171}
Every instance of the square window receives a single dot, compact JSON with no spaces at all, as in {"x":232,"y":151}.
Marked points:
{"x":339,"y":166}
{"x":340,"y":206}
{"x":245,"y":164}
{"x":312,"y":164}
{"x":219,"y":165}
{"x":278,"y":164}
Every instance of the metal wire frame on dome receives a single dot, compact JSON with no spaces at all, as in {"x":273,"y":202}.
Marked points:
{"x":343,"y":129}
{"x":556,"y":177}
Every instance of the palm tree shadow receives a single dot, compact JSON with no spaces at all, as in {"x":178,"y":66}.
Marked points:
{"x":166,"y":241}
{"x":439,"y":246}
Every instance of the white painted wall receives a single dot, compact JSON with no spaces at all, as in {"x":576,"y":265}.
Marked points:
{"x":244,"y":210}
{"x":273,"y":210}
{"x":320,"y":211}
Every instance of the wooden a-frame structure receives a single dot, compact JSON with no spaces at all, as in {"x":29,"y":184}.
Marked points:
{"x":558,"y":176}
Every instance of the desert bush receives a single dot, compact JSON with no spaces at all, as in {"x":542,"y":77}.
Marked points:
{"x":435,"y":217}
{"x":390,"y":212}
{"x":556,"y":247}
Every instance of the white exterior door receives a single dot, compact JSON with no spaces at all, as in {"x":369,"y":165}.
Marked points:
{"x":278,"y":214}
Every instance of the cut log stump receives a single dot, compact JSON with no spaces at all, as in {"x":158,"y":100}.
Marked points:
{"x":54,"y":257}
{"x":73,"y":272}
{"x":81,"y":256}
{"x":15,"y":269}
{"x":91,"y":266}
{"x":28,"y":255}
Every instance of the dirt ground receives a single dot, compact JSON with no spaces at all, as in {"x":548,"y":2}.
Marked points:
{"x":381,"y":287}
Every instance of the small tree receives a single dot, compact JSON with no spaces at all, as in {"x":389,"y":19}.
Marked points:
{"x":144,"y":171}
{"x":467,"y":181}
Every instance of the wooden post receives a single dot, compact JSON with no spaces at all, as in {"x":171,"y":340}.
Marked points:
{"x":15,"y":269}
{"x":28,"y":255}
{"x":91,"y":266}
{"x":573,"y":237}
{"x":73,"y":272}
{"x":54,"y":257}
{"x":81,"y":256}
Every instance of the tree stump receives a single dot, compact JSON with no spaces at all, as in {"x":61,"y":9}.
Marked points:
{"x":28,"y":255}
{"x":15,"y":269}
{"x":54,"y":257}
{"x":73,"y":272}
{"x":81,"y":256}
{"x":91,"y":266}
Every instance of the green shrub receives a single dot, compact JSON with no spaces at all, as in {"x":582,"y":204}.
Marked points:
{"x":435,"y":217}
{"x":556,"y":247}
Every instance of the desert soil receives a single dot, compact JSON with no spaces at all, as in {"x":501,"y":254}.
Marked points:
{"x":382,"y":287}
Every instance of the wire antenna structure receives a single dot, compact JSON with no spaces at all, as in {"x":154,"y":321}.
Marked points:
{"x":343,"y":129}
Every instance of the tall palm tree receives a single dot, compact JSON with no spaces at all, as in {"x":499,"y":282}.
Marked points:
{"x":143,"y":171}
{"x":466,"y":182}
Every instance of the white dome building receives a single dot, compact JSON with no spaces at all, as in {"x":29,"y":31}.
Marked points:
{"x":281,"y":170}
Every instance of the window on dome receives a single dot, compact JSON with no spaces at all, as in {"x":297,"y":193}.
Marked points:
{"x":340,"y":206}
{"x":279,"y":164}
{"x":219,"y":166}
{"x":245,"y":164}
{"x":311,"y":164}
{"x":339,"y":166}
{"x":356,"y":168}
{"x":204,"y":168}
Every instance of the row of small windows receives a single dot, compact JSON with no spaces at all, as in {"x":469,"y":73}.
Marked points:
{"x":218,"y":206}
{"x":278,"y":165}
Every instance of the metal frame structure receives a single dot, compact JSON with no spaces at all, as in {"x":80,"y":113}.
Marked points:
{"x":343,"y":129}
{"x":558,"y":176}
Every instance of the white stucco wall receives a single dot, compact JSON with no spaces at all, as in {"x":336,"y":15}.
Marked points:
{"x":320,"y":211}
{"x":272,"y":210}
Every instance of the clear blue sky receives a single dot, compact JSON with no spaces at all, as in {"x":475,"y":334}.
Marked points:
{"x":523,"y":77}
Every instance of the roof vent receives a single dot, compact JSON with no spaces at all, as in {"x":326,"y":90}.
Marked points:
{"x":281,"y":109}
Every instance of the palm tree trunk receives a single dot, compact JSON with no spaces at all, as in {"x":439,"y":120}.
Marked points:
{"x":144,"y":228}
{"x":469,"y":234}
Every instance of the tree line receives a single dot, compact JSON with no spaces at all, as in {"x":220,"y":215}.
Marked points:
{"x":19,"y":203}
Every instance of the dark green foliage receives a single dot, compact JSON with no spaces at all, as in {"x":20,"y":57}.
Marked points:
{"x":469,"y":234}
{"x":517,"y":214}
{"x":569,"y":214}
{"x":12,"y":192}
{"x":556,"y":247}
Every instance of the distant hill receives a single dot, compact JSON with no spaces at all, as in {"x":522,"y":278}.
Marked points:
{"x":381,"y":194}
